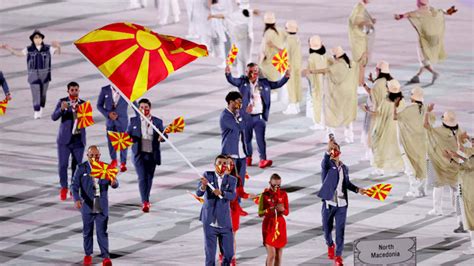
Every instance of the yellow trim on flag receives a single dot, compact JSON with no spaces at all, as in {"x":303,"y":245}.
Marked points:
{"x":196,"y":51}
{"x":141,"y":81}
{"x":109,"y":67}
{"x":169,"y":66}
{"x":105,"y":35}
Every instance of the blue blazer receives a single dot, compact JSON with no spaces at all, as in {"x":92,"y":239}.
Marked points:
{"x":83,"y":189}
{"x":3,"y":83}
{"x":243,"y":84}
{"x":214,"y":207}
{"x":67,"y":122}
{"x":105,"y":105}
{"x":135,"y":132}
{"x":330,"y":178}
{"x":231,"y":131}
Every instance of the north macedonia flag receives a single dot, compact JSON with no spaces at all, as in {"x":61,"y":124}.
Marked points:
{"x":3,"y":107}
{"x":134,"y":58}
{"x":84,"y":115}
{"x":119,"y":140}
{"x":176,"y":126}
{"x":280,"y":61}
{"x":379,"y":191}
{"x":232,"y":54}
{"x":102,"y":170}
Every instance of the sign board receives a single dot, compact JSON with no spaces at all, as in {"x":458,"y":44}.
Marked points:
{"x":396,"y":251}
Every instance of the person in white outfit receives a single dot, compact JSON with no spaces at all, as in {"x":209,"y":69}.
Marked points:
{"x":191,"y":12}
{"x":164,"y":7}
{"x":218,"y":35}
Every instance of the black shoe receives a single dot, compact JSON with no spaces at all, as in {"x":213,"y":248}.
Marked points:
{"x":435,"y":77}
{"x":415,"y":79}
{"x":460,"y":229}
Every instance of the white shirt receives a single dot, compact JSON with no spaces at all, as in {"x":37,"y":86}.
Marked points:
{"x":256,"y":98}
{"x":51,"y":50}
{"x":115,"y":95}
{"x":96,"y":183}
{"x":219,"y":183}
{"x":339,"y":200}
{"x":147,"y":130}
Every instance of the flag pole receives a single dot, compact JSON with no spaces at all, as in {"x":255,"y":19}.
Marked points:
{"x":155,"y":129}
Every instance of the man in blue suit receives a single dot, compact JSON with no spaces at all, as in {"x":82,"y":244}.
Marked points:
{"x":6,"y":89}
{"x":146,"y":149}
{"x":91,"y":198}
{"x":232,"y":132}
{"x":114,"y":108}
{"x":70,"y":140}
{"x":215,"y":212}
{"x":256,"y":99}
{"x":333,"y":192}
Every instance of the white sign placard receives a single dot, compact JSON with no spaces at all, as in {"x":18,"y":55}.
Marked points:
{"x":395,"y":251}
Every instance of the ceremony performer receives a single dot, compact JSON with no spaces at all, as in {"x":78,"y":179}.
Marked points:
{"x":38,"y":62}
{"x":294,"y":60}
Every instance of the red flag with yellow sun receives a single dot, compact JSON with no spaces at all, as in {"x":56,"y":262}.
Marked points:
{"x":3,"y":106}
{"x":119,"y":140}
{"x":280,"y":61}
{"x":379,"y":191}
{"x":176,"y":126}
{"x":84,"y":115}
{"x":134,"y":58}
{"x":102,"y":170}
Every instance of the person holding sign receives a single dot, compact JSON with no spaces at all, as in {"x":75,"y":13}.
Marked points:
{"x":71,"y":139}
{"x":273,"y":205}
{"x":333,"y":192}
{"x":218,"y":189}
{"x":146,"y":149}
{"x":91,"y":198}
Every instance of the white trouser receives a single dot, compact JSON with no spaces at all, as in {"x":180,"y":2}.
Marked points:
{"x":438,"y":198}
{"x":243,"y":56}
{"x":191,"y":17}
{"x":164,"y":10}
{"x":349,"y":133}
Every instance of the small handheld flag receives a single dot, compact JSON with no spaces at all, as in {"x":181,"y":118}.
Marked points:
{"x":84,"y":115}
{"x":280,"y":61}
{"x":176,"y":126}
{"x":379,"y":191}
{"x":119,"y":140}
{"x":232,"y":55}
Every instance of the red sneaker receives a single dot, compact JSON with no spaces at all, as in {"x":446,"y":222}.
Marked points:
{"x":249,"y":161}
{"x":146,"y":206}
{"x":63,"y":193}
{"x":233,"y":262}
{"x":106,"y":262}
{"x":123,"y":167}
{"x":331,"y":252}
{"x":338,"y":261}
{"x":87,"y":260}
{"x":265,"y":163}
{"x":113,"y":163}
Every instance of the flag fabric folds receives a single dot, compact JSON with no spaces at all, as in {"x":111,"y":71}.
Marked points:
{"x":176,"y":126}
{"x":84,"y":115}
{"x":280,"y":61}
{"x":232,"y":55}
{"x":134,"y":58}
{"x":119,"y":140}
{"x":201,"y":200}
{"x":102,"y":170}
{"x":379,"y":191}
{"x":3,"y":107}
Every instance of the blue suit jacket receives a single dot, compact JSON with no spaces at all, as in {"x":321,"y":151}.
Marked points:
{"x":105,"y":105}
{"x":67,"y":122}
{"x":3,"y":83}
{"x":243,"y":84}
{"x":83,"y":189}
{"x":135,"y":132}
{"x":330,"y":178}
{"x":215,"y":208}
{"x":231,"y":131}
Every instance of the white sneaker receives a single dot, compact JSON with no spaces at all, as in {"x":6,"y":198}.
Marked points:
{"x":222,"y":65}
{"x":36,"y":115}
{"x":469,"y":251}
{"x":40,"y":113}
{"x":435,"y":212}
{"x":317,"y":127}
{"x":176,"y":20}
{"x":290,"y":110}
{"x":410,"y":194}
{"x":298,"y":110}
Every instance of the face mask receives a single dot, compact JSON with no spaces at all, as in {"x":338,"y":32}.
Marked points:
{"x":146,"y":112}
{"x":238,"y":105}
{"x":336,"y":153}
{"x":230,"y":167}
{"x":220,"y":169}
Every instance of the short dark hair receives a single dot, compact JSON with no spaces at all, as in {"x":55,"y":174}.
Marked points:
{"x":144,"y":100}
{"x":275,"y":176}
{"x":251,"y":64}
{"x":232,"y":96}
{"x":72,"y":84}
{"x":220,"y":156}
